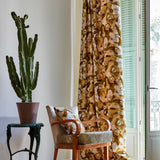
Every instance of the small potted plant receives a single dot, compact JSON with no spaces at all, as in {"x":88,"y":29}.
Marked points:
{"x":26,"y":81}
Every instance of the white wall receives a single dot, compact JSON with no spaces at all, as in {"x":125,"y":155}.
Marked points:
{"x":51,"y":20}
{"x":76,"y":46}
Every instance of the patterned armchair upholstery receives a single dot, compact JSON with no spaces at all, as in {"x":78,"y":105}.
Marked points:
{"x":78,"y":141}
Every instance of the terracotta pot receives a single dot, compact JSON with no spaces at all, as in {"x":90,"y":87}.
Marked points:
{"x":28,"y":112}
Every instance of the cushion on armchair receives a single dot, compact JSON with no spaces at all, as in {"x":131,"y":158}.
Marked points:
{"x":68,"y":113}
{"x":87,"y":138}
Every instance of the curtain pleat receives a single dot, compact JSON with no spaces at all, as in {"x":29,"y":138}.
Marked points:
{"x":100,"y":79}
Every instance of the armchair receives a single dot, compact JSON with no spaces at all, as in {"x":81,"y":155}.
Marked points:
{"x":78,"y":141}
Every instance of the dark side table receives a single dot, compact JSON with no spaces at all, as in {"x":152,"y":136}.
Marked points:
{"x":34,"y":133}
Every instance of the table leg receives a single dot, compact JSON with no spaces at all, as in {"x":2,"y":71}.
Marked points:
{"x":9,"y":135}
{"x":37,"y":137}
{"x":31,"y":134}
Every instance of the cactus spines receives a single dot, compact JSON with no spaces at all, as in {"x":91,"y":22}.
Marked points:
{"x":27,"y":80}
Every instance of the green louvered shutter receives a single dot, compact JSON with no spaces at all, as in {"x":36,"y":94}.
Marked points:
{"x":129,"y":60}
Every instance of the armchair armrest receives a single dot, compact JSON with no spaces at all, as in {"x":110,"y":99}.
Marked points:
{"x":107,"y":122}
{"x":78,"y":127}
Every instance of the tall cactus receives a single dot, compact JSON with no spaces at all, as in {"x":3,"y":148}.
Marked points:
{"x":24,"y":83}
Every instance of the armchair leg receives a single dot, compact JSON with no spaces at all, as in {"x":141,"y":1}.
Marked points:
{"x":74,"y":154}
{"x":106,"y":153}
{"x":55,"y":153}
{"x":79,"y":156}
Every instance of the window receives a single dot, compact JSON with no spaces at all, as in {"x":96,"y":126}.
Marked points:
{"x":129,"y":48}
{"x":129,"y":59}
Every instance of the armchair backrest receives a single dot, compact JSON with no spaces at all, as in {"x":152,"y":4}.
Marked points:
{"x":56,"y":129}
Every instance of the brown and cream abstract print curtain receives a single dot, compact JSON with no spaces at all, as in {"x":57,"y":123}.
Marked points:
{"x":100,"y":80}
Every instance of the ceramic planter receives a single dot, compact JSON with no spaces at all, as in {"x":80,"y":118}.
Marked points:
{"x":28,"y":112}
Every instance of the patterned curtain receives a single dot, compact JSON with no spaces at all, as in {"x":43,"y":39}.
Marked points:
{"x":100,"y":80}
